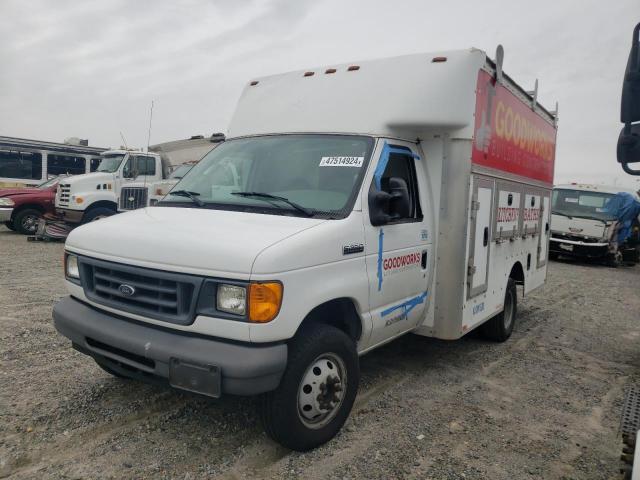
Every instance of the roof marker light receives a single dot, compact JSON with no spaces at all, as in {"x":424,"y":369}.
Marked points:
{"x":309,"y":74}
{"x":330,"y":70}
{"x":254,"y":83}
{"x":438,"y":59}
{"x":353,"y":68}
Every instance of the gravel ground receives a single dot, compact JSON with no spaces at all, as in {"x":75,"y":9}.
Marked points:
{"x":545,"y":404}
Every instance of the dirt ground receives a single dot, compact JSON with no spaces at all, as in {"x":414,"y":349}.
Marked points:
{"x":545,"y":404}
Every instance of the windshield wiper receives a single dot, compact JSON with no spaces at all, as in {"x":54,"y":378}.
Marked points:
{"x":268,"y":196}
{"x":193,"y":196}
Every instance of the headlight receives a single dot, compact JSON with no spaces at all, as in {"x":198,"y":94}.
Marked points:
{"x":6,"y":202}
{"x":71,"y":266}
{"x":232,"y":299}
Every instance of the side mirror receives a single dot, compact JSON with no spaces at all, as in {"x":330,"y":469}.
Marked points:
{"x":628,"y":149}
{"x":385,"y":207}
{"x":630,"y":105}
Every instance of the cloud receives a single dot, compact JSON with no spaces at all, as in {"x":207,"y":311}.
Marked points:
{"x":90,"y":68}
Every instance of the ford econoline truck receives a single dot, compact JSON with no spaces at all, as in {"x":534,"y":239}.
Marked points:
{"x":350,"y":205}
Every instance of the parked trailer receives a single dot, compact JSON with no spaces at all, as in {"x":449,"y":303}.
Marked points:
{"x":29,"y":163}
{"x":351,"y":204}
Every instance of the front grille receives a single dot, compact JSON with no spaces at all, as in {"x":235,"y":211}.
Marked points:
{"x":65,"y":193}
{"x":170,"y":297}
{"x":133,"y":197}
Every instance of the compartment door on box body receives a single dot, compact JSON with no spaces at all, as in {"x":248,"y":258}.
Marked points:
{"x":480,"y":241}
{"x":545,"y":231}
{"x":531,"y":214}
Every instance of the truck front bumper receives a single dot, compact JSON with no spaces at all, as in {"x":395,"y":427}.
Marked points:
{"x":71,"y":216}
{"x":5,"y":214}
{"x":205,"y":365}
{"x":576,"y":248}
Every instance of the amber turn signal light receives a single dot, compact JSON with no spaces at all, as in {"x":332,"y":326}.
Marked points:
{"x":264,"y":301}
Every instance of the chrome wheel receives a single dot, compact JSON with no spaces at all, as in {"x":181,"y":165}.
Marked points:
{"x":30,"y":223}
{"x":321,"y":390}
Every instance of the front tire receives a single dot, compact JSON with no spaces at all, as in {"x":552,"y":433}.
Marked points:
{"x":317,"y":390}
{"x":10,"y":226}
{"x":26,"y":221}
{"x":500,"y":327}
{"x":97,"y":214}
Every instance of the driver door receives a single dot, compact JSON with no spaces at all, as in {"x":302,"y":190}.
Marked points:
{"x":398,"y":253}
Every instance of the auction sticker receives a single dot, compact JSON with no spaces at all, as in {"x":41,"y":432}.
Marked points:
{"x":341,"y":162}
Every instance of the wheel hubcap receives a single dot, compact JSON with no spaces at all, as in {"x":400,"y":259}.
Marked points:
{"x":321,"y":390}
{"x":30,"y":223}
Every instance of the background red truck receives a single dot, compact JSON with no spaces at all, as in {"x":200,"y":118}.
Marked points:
{"x":20,"y":208}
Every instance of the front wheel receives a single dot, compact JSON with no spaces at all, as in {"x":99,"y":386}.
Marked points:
{"x":499,"y":328}
{"x":97,"y":214}
{"x":10,"y":226}
{"x":317,"y":390}
{"x":26,"y":221}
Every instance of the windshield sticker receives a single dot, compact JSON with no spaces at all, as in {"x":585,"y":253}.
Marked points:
{"x":571,"y":200}
{"x":341,"y":162}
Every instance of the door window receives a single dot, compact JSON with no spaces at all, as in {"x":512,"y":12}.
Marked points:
{"x":139,"y":165}
{"x":65,"y":164}
{"x":403,"y":166}
{"x":95,"y":163}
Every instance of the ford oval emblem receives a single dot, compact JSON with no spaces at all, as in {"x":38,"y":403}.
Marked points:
{"x":126,"y":290}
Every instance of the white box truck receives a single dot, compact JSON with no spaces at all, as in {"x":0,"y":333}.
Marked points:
{"x":350,"y":205}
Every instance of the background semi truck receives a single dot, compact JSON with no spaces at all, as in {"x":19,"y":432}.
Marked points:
{"x":127,"y":179}
{"x":351,"y":204}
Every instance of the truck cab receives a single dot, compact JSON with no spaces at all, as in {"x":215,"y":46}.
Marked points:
{"x":582,"y":225}
{"x":88,"y":197}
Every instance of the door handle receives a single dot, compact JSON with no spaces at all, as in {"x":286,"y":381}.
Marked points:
{"x":485,"y":237}
{"x":424,"y":260}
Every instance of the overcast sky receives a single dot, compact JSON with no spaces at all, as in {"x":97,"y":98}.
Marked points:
{"x":90,"y":68}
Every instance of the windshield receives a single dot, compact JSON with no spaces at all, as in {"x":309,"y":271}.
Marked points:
{"x":320,"y":173}
{"x":49,"y":183}
{"x":579,"y":203}
{"x":181,"y":171}
{"x":110,"y":163}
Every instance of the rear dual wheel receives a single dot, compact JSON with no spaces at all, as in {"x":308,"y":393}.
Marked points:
{"x":317,"y":390}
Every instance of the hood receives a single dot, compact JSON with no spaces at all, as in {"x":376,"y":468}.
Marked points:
{"x":582,"y":227}
{"x":194,"y":240}
{"x":88,"y":178}
{"x":5,"y":192}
